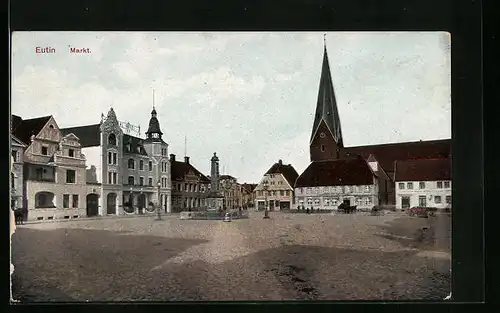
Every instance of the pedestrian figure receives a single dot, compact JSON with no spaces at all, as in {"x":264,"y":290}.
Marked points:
{"x":307,"y":210}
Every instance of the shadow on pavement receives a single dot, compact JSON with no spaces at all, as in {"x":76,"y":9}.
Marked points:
{"x":85,"y":262}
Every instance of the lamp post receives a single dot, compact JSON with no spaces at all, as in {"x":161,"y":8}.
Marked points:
{"x":266,"y":188}
{"x":158,"y":214}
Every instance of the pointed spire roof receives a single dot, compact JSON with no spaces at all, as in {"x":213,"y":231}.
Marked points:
{"x":326,"y":108}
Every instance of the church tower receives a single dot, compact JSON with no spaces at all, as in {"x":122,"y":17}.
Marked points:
{"x":326,"y":137}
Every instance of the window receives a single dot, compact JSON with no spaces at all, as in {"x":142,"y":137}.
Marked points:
{"x":71,"y":153}
{"x":70,"y":176}
{"x":12,"y":180}
{"x":287,"y":192}
{"x":114,"y":158}
{"x":437,"y":199}
{"x":65,"y":201}
{"x":131,"y":164}
{"x":401,"y":185}
{"x":309,"y":201}
{"x":110,"y":158}
{"x":45,"y":151}
{"x":259,"y":193}
{"x":421,"y":185}
{"x":141,"y":165}
{"x":150,"y":181}
{"x":448,"y":199}
{"x":150,"y":166}
{"x":179,"y":187}
{"x":112,"y":140}
{"x":409,"y":185}
{"x":75,"y":201}
{"x":439,"y":184}
{"x":282,"y":193}
{"x":110,"y":178}
{"x":15,"y":155}
{"x":141,"y":181}
{"x":446,"y":184}
{"x":51,"y":126}
{"x":422,"y":201}
{"x":131,"y":180}
{"x":327,"y":202}
{"x":322,"y":148}
{"x":367,"y":188}
{"x":114,"y":178}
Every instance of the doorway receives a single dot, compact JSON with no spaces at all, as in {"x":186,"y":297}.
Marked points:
{"x":111,"y":203}
{"x":405,"y":203}
{"x":347,"y":202}
{"x":92,"y":204}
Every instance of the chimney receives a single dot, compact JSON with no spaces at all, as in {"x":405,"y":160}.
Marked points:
{"x":172,"y":157}
{"x":280,"y":162}
{"x":186,"y":159}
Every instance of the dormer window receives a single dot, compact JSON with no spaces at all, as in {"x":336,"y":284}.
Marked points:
{"x":71,"y":153}
{"x":45,"y":151}
{"x":112,"y":140}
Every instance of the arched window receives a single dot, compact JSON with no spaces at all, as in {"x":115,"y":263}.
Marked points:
{"x":112,"y":140}
{"x":141,"y":165}
{"x":131,"y":164}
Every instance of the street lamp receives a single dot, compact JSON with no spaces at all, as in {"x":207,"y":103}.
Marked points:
{"x":266,"y":212}
{"x":158,"y":215}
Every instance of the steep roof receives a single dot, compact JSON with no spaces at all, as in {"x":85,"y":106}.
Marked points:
{"x":423,"y":170}
{"x":90,"y":135}
{"x":326,"y":107}
{"x":386,"y":154}
{"x":136,"y":145}
{"x":16,"y":141}
{"x":15,"y":122}
{"x":249,"y":187}
{"x":180,"y":169}
{"x":26,"y":128}
{"x":380,"y":172}
{"x":336,"y":173}
{"x":287,"y":170}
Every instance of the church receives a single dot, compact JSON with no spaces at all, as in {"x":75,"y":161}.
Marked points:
{"x":361,"y":175}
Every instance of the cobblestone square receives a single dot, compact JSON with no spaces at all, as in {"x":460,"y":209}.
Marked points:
{"x":287,"y":257}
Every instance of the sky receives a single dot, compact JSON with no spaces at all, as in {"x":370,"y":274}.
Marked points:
{"x":250,"y":97}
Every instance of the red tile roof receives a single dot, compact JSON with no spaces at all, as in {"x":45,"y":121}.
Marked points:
{"x":386,"y":154}
{"x":423,"y":170}
{"x":180,"y":169}
{"x":287,"y":170}
{"x":336,"y":173}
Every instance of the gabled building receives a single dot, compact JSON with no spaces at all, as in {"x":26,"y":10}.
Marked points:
{"x":54,"y":169}
{"x":352,"y":181}
{"x":126,"y":174}
{"x":276,"y":187}
{"x":190,"y":188}
{"x":424,"y":183}
{"x":326,"y":145}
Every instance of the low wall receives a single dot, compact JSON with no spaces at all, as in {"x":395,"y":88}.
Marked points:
{"x":55,"y":214}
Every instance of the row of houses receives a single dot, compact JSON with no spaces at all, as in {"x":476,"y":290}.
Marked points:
{"x":99,"y":169}
{"x":400,"y":175}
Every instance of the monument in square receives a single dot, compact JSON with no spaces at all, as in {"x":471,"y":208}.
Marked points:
{"x":215,"y":198}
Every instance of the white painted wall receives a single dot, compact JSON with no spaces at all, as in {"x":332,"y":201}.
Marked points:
{"x":430,"y":192}
{"x":93,"y":157}
{"x":321,"y":197}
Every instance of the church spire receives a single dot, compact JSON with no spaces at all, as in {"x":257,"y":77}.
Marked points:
{"x":326,"y":107}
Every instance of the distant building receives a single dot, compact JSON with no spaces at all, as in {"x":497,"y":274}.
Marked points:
{"x":424,"y":183}
{"x":126,"y":173}
{"x":279,"y":181}
{"x":17,"y":148}
{"x":328,"y":154}
{"x":248,"y":194}
{"x":54,"y":169}
{"x":190,"y":188}
{"x":231,"y":191}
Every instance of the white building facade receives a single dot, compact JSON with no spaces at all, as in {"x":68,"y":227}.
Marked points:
{"x":276,"y":187}
{"x":423,"y":183}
